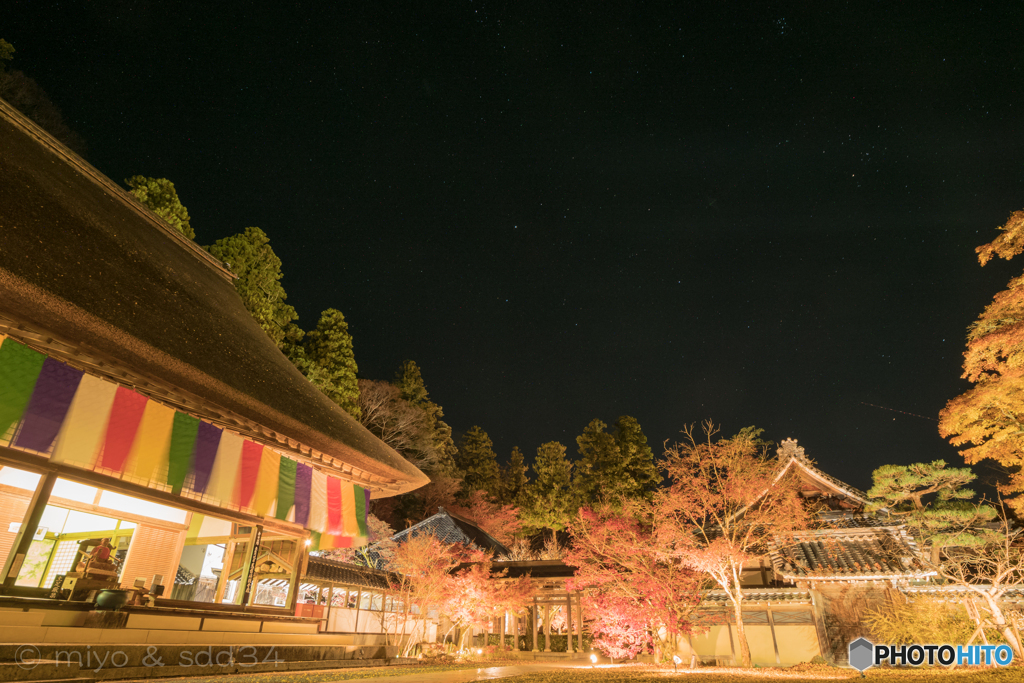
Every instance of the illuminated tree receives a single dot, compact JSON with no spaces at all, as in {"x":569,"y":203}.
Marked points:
{"x":639,"y":594}
{"x":478,"y":462}
{"x":931,"y":499}
{"x":989,"y":418}
{"x":160,"y":197}
{"x":249,"y":256}
{"x":332,"y":365}
{"x":412,"y":388}
{"x":725,"y":502}
{"x":513,"y":478}
{"x":614,"y":467}
{"x":549,"y":501}
{"x":500,"y":521}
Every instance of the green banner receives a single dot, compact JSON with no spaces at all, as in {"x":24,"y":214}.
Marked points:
{"x":285,"y":488}
{"x":19,"y":369}
{"x":183,"y":444}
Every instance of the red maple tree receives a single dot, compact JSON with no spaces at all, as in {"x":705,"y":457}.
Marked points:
{"x":500,"y":521}
{"x":640,"y":596}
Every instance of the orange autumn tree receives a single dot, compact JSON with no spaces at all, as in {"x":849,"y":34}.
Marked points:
{"x":726,"y":501}
{"x":988,"y":419}
{"x":423,"y":567}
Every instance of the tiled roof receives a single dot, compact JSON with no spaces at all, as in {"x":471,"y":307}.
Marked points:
{"x":832,"y":555}
{"x":451,"y":528}
{"x":755,"y":595}
{"x":953,"y":592}
{"x":790,"y":452}
{"x":332,"y":571}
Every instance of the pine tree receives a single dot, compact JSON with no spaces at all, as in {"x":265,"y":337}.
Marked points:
{"x":160,"y":197}
{"x":331,"y":361}
{"x":249,"y":256}
{"x":479,"y":463}
{"x":549,"y":502}
{"x":514,"y":479}
{"x":933,"y":502}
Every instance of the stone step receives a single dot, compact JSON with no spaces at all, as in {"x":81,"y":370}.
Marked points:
{"x":46,"y":671}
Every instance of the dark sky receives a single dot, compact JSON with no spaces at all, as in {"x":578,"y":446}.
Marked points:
{"x":759,"y":213}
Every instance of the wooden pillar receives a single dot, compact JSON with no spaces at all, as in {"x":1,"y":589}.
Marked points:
{"x":246,"y":581}
{"x":579,"y":622}
{"x":504,"y":621}
{"x":299,"y":565}
{"x":359,"y":601}
{"x":533,"y":618}
{"x":330,"y":603}
{"x":515,"y":621}
{"x":568,"y":623}
{"x":229,"y":558}
{"x":547,"y":627}
{"x":29,"y":524}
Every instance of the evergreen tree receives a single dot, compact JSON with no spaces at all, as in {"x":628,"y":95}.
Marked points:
{"x":513,"y":478}
{"x":160,"y":197}
{"x":330,"y":361}
{"x":931,"y":499}
{"x":597,"y":466}
{"x":250,"y":257}
{"x":479,"y":463}
{"x":637,"y":459}
{"x":549,"y":502}
{"x":614,"y":467}
{"x":410,"y":383}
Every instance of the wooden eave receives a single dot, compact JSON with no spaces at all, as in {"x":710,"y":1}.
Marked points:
{"x":96,"y":363}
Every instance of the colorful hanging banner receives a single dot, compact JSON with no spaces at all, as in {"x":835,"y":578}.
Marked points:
{"x":318,"y":502}
{"x":207,"y":440}
{"x":224,"y":477}
{"x":148,"y":459}
{"x":266,"y":482}
{"x":91,"y":423}
{"x":251,"y":455}
{"x":362,"y":504}
{"x":125,"y":416}
{"x":51,"y":398}
{"x":350,"y":526}
{"x":19,"y":368}
{"x":334,"y":525}
{"x":79,"y":440}
{"x":303,"y":482}
{"x":179,"y":456}
{"x":285,"y":488}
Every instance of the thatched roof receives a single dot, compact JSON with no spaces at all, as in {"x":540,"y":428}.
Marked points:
{"x":84,"y":267}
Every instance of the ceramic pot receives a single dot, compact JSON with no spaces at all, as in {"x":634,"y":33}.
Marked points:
{"x":110,"y":599}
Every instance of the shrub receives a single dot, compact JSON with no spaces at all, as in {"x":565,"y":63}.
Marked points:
{"x":924,"y":620}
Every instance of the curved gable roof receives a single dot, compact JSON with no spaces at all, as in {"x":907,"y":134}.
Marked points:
{"x":83,"y":262}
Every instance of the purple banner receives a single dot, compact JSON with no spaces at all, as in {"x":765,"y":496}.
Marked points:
{"x":49,"y":404}
{"x":303,"y":482}
{"x":205,"y":453}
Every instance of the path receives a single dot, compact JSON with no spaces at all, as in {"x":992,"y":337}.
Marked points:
{"x":465,"y":675}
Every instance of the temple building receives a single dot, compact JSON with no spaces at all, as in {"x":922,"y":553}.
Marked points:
{"x":155,"y":444}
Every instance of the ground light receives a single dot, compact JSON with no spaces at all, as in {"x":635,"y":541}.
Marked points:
{"x":676,"y":662}
{"x":593,"y":661}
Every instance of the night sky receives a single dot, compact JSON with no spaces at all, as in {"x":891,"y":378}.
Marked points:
{"x":757,"y":213}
